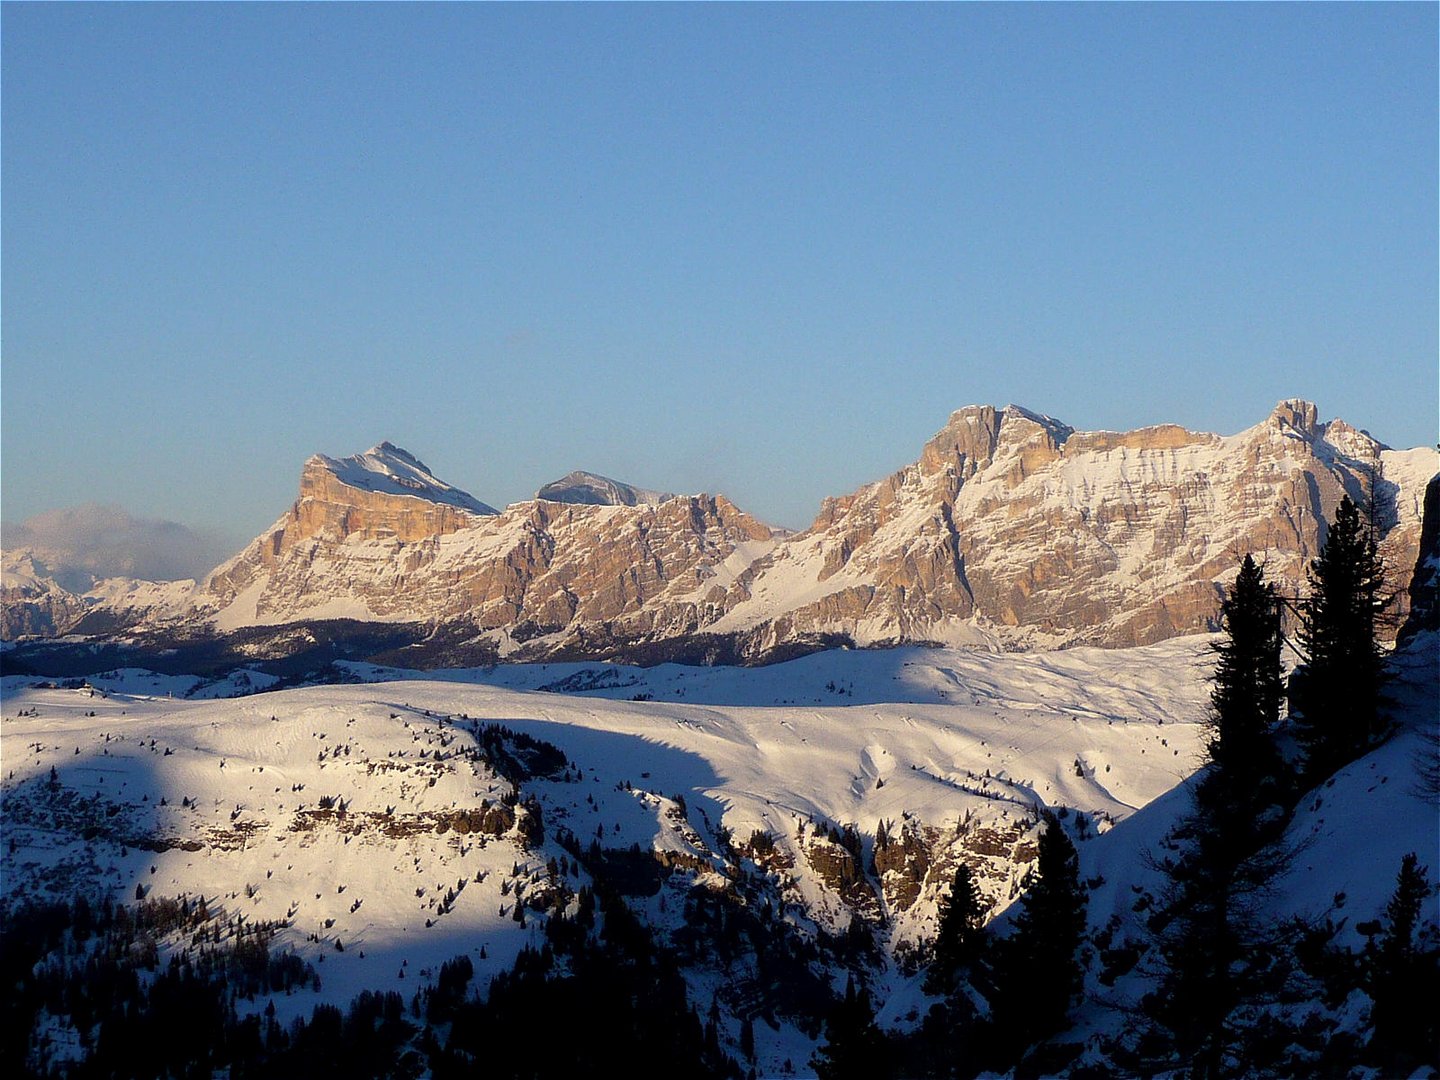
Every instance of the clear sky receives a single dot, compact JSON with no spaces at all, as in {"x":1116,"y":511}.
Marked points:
{"x":757,"y":249}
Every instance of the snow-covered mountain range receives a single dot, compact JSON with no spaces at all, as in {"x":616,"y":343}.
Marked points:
{"x":1011,"y":529}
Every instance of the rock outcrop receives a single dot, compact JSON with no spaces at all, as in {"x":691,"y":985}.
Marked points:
{"x":1425,"y":580}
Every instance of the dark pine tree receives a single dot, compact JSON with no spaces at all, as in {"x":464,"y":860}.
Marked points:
{"x":960,"y":939}
{"x":747,"y":1039}
{"x":1404,"y":978}
{"x":1243,"y":781}
{"x":1337,"y":697}
{"x":1038,"y":970}
{"x":1205,"y":925}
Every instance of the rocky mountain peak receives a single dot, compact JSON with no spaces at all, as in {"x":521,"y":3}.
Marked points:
{"x":978,"y":434}
{"x":388,"y":470}
{"x":966,"y":443}
{"x":1028,"y":441}
{"x":1026,"y":424}
{"x":1295,"y":418}
{"x":384,"y":495}
{"x":1352,"y":441}
{"x":1297,"y":415}
{"x":592,"y":489}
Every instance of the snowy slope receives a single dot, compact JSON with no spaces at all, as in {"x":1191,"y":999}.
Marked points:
{"x":954,"y":750}
{"x":957,"y":748}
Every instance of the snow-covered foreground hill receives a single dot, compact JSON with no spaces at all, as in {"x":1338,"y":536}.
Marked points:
{"x":390,"y":829}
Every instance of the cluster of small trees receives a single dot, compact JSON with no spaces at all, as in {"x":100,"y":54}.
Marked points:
{"x":95,"y":971}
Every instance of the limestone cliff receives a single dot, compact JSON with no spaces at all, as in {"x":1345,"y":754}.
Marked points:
{"x":1425,"y":581}
{"x":1014,"y":527}
{"x":353,"y":549}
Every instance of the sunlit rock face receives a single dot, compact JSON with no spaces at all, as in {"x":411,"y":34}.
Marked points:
{"x":378,"y":537}
{"x":382,"y":494}
{"x":1014,"y":526}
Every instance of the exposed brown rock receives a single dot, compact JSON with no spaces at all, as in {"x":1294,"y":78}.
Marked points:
{"x":902,"y":863}
{"x":1055,"y":537}
{"x":837,"y":864}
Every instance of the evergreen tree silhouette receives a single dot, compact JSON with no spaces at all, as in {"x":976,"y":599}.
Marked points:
{"x":960,"y":939}
{"x":1404,"y":979}
{"x":1337,"y":696}
{"x":1038,"y":970}
{"x":855,"y":1048}
{"x":1206,"y":924}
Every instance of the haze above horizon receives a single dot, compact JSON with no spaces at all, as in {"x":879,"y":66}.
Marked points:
{"x":757,"y":250}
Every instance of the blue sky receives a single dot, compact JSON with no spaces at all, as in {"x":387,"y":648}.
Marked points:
{"x":757,"y":249}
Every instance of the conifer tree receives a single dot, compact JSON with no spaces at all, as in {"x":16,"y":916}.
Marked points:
{"x":1204,"y":924}
{"x":1038,"y":969}
{"x":1404,"y":978}
{"x":1240,"y":791}
{"x":855,"y":1047}
{"x":960,"y":939}
{"x":1338,"y":695}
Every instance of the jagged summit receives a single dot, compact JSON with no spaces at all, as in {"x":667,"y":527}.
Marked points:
{"x":386,"y":469}
{"x":1049,"y":423}
{"x":592,"y":489}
